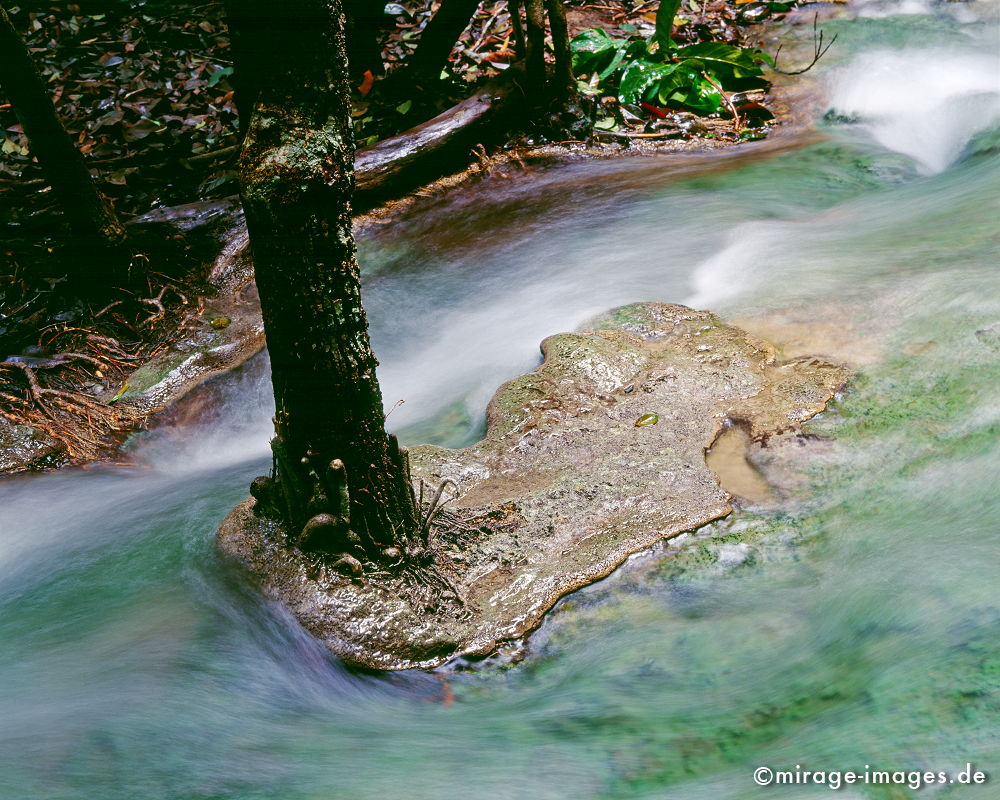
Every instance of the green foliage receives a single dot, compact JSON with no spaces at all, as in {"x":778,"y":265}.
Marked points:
{"x":658,"y":72}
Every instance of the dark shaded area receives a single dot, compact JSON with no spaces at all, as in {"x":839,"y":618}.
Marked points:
{"x":143,"y":92}
{"x":89,"y":215}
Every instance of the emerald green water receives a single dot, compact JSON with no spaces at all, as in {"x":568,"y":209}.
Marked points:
{"x":860,"y":624}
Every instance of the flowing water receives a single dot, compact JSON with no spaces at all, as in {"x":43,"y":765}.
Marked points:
{"x":859,"y":625}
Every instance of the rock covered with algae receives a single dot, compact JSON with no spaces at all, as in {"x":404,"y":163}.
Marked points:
{"x":594,"y":456}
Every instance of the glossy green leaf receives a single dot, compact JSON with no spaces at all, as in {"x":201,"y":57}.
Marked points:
{"x":639,"y":76}
{"x":595,"y":51}
{"x":700,"y":96}
{"x":615,"y":63}
{"x":647,"y":419}
{"x":592,"y":40}
{"x":722,"y":53}
{"x":218,"y":75}
{"x":760,"y":55}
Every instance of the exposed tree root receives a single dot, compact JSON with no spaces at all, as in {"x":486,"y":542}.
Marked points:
{"x":423,"y":561}
{"x":87,"y":428}
{"x":64,"y":383}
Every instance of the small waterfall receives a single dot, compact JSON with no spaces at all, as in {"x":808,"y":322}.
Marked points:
{"x":924,"y":103}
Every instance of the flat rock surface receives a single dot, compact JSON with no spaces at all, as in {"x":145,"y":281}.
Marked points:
{"x":562,"y":490}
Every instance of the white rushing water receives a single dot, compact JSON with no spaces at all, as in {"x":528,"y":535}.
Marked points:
{"x":909,"y":104}
{"x":676,"y":244}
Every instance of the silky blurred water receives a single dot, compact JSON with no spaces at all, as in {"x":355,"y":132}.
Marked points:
{"x":859,"y":625}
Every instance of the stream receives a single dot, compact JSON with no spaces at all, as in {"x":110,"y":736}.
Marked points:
{"x":857,"y":625}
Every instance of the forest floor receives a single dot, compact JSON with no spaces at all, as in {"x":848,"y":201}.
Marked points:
{"x":145,"y":92}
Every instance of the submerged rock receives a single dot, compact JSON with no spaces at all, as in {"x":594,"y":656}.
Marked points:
{"x":562,"y":490}
{"x":24,"y":448}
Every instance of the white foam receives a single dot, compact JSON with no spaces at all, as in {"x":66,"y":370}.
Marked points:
{"x":926,"y":104}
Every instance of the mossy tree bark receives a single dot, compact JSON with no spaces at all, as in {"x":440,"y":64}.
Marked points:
{"x":89,"y":215}
{"x":339,"y":480}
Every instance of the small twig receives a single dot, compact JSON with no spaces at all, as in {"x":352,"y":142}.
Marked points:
{"x":222,"y":153}
{"x":13,"y":398}
{"x":396,"y":405}
{"x":737,"y":122}
{"x":108,"y":308}
{"x":157,"y":303}
{"x":486,"y":32}
{"x":19,"y":183}
{"x":109,"y":344}
{"x":435,"y":505}
{"x":818,"y":50}
{"x":57,"y":334}
{"x":80,"y":356}
{"x":484,"y":160}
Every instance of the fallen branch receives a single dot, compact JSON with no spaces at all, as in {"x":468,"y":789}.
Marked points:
{"x":401,"y":163}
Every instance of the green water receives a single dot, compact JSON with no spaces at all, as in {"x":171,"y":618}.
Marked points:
{"x":863,"y":626}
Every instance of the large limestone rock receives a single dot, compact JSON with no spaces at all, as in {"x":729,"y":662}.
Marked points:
{"x":594,"y":456}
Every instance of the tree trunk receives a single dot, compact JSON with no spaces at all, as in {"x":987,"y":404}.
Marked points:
{"x":563,"y":80}
{"x":517,"y":30}
{"x":559,"y":114}
{"x":334,"y":464}
{"x":364,"y":21}
{"x":534,"y":13}
{"x":87,"y":212}
{"x":440,"y":35}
